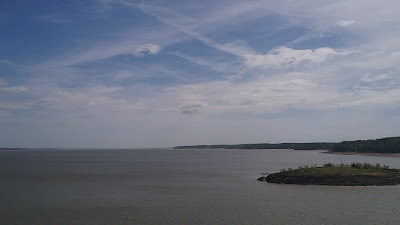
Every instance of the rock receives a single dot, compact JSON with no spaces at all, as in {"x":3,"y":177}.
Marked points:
{"x":261,"y":178}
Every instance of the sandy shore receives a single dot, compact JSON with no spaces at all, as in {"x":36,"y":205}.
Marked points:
{"x":368,"y":154}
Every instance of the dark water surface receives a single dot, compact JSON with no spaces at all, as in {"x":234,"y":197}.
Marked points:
{"x":167,"y":186}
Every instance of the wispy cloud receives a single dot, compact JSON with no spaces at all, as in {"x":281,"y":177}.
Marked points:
{"x":345,"y":23}
{"x":217,"y":66}
{"x":88,"y":99}
{"x":105,"y":51}
{"x":148,"y":43}
{"x":264,"y":96}
{"x":282,"y":56}
{"x":5,"y":88}
{"x":371,"y":78}
{"x":145,"y":49}
{"x":52,"y":18}
{"x":6,"y":61}
{"x":287,"y":57}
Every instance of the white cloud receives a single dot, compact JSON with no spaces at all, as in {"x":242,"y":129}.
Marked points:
{"x":6,"y":61}
{"x":145,"y":49}
{"x":5,"y":88}
{"x":214,"y":65}
{"x":105,"y":52}
{"x":52,"y":18}
{"x":266,"y":96}
{"x":6,"y":106}
{"x":370,"y":78}
{"x":187,"y":26}
{"x":123,"y":75}
{"x":15,"y":89}
{"x":345,"y":23}
{"x":287,"y":57}
{"x":307,"y":88}
{"x":91,"y":98}
{"x":282,"y":56}
{"x":129,"y":43}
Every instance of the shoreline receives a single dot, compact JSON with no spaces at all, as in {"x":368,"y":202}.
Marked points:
{"x":363,"y":153}
{"x":326,"y":151}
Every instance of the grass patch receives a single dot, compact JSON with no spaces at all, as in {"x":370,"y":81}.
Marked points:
{"x":340,"y":169}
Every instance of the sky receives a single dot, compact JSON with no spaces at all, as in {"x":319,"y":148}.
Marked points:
{"x":157,"y":73}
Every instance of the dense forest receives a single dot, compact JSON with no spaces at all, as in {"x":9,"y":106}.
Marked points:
{"x":384,"y":145}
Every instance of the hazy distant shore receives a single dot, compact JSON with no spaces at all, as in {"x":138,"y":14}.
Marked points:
{"x":389,"y":146}
{"x":362,"y":153}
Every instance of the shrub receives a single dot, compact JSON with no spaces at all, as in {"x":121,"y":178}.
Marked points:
{"x":328,"y":165}
{"x":386,"y":167}
{"x":357,"y":165}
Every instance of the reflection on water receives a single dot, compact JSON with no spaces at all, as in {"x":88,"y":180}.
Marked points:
{"x":166,"y":186}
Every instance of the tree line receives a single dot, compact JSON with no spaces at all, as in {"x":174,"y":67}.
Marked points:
{"x":383,"y":145}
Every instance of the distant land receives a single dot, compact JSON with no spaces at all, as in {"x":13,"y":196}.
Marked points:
{"x":295,"y":146}
{"x":383,"y":145}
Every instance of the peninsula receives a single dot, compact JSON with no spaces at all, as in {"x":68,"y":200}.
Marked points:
{"x":356,"y":174}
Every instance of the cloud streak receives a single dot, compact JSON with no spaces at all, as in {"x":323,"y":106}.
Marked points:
{"x":7,"y":89}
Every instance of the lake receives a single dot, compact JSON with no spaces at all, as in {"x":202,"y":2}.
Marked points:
{"x":169,"y":186}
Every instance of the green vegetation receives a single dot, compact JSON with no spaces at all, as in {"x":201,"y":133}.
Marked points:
{"x":355,"y":174}
{"x":384,"y":145}
{"x":332,"y":169}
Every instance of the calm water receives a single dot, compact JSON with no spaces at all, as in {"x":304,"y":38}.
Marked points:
{"x":166,"y":186}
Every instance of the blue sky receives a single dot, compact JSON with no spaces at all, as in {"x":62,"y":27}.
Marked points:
{"x":105,"y":73}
